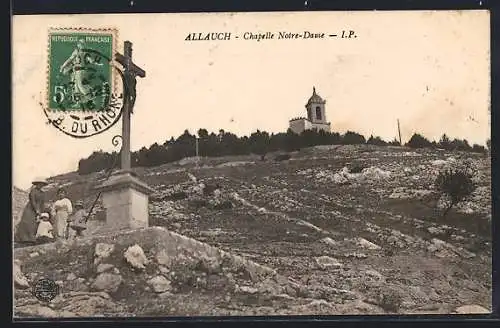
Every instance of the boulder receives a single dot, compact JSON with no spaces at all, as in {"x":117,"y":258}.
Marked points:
{"x":20,"y":279}
{"x":36,"y":310}
{"x":102,"y":251}
{"x":328,"y":241}
{"x":160,"y":284}
{"x":135,"y":257}
{"x":164,"y":259}
{"x":367,"y":244}
{"x":472,"y":309}
{"x":71,"y":276}
{"x":107,"y":282}
{"x":326,"y":262}
{"x":103,"y":267}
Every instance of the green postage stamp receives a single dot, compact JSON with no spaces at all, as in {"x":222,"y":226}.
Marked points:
{"x":80,"y":70}
{"x":81,"y":83}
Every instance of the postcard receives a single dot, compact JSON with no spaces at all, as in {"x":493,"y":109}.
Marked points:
{"x":249,"y":164}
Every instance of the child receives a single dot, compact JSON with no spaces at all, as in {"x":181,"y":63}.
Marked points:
{"x":77,"y":220}
{"x":44,"y":231}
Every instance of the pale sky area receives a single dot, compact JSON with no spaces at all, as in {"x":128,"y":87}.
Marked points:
{"x":430,"y":70}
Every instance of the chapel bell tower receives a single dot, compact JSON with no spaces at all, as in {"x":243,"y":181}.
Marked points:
{"x":316,"y":108}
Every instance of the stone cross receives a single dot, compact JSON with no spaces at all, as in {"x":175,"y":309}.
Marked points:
{"x":124,"y":196}
{"x":131,"y":71}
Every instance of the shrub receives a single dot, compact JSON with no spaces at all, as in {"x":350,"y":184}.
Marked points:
{"x":356,"y":168}
{"x":292,"y":141}
{"x":461,"y":145}
{"x":377,"y":141}
{"x":223,"y":205}
{"x":283,"y":157}
{"x":456,"y":185}
{"x":445,"y":142}
{"x":419,"y":141}
{"x":209,"y":189}
{"x":198,"y":203}
{"x":394,"y":142}
{"x":179,"y":195}
{"x":390,"y":301}
{"x":478,"y":149}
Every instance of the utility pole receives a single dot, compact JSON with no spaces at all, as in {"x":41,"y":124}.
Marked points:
{"x":197,"y":147}
{"x":197,"y":152}
{"x":399,"y":133}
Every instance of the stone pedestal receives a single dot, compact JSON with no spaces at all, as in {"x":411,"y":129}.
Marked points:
{"x":125,"y":199}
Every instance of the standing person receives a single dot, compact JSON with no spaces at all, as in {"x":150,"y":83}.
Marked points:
{"x":26,"y":230}
{"x":61,"y":210}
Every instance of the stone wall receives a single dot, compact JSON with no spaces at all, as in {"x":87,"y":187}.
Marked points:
{"x":158,"y":239}
{"x":300,"y":125}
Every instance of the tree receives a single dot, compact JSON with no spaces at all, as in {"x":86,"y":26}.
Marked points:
{"x":488,"y":144}
{"x":203,"y":134}
{"x":229,"y":144}
{"x":478,"y":149}
{"x":377,"y":141}
{"x":334,"y":138}
{"x":292,"y":141}
{"x":460,"y":145}
{"x":445,"y":142}
{"x":353,"y":138}
{"x":259,"y":143}
{"x":323,"y":138}
{"x":277,"y":141}
{"x":395,"y":142}
{"x":309,"y":138}
{"x":418,"y":141}
{"x":456,"y":185}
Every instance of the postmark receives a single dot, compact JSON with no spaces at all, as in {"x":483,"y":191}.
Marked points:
{"x":45,"y":289}
{"x":84,"y":93}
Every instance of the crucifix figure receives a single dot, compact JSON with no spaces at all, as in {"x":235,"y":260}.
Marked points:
{"x":130,"y":73}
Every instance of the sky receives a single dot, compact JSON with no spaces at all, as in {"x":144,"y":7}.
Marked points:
{"x":430,"y":70}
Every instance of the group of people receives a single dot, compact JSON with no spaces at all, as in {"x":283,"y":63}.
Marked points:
{"x":42,"y":223}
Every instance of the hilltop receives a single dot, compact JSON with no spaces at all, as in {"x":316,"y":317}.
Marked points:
{"x":327,"y":240}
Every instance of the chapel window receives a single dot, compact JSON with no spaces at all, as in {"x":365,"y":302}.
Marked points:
{"x":318,"y":113}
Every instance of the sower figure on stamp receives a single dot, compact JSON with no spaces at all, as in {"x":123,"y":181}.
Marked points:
{"x":78,"y":66}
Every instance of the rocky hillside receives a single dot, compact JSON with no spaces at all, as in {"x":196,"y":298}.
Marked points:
{"x":310,"y":235}
{"x":19,"y":200}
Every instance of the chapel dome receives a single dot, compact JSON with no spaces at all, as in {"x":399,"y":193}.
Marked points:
{"x":315,"y":98}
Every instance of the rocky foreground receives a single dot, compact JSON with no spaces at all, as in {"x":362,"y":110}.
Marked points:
{"x":156,"y":272}
{"x":326,"y":240}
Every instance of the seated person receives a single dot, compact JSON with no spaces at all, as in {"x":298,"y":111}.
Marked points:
{"x":76,"y":221}
{"x":44,"y":231}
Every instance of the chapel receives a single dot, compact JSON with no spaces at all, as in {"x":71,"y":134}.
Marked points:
{"x":316,"y":118}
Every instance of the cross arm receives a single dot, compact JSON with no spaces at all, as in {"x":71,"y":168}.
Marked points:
{"x":133,"y":68}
